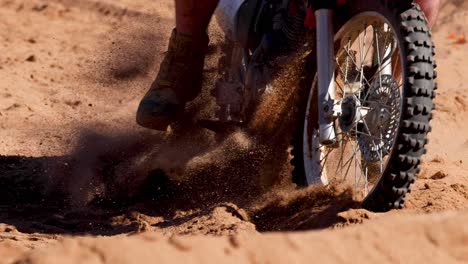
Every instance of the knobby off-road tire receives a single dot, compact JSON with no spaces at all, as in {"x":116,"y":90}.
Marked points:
{"x":418,"y":91}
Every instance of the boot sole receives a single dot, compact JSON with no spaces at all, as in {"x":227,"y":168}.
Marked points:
{"x":154,"y":123}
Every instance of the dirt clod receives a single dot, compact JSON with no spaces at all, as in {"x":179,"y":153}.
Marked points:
{"x":31,"y":58}
{"x":439,"y":175}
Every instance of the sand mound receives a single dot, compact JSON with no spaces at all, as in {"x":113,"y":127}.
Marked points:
{"x":385,"y":241}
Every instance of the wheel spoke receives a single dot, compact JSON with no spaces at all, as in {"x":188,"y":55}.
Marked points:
{"x":357,"y":163}
{"x":343,"y":145}
{"x":363,"y":78}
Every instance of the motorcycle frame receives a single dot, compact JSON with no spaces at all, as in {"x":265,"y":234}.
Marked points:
{"x":246,"y":22}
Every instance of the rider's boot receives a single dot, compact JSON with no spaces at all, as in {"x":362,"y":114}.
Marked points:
{"x":179,"y":80}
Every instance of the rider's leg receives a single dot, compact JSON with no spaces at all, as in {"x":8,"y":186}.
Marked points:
{"x":431,"y":9}
{"x":180,"y":75}
{"x":193,"y":16}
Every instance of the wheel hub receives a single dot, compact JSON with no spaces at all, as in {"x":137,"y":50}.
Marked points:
{"x":350,"y":113}
{"x":380,"y":124}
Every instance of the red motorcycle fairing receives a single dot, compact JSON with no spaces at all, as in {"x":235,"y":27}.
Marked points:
{"x":310,"y":21}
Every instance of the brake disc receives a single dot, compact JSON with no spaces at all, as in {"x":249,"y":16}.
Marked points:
{"x":380,"y":123}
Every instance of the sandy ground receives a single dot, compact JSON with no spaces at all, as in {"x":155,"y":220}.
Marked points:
{"x":80,"y":182}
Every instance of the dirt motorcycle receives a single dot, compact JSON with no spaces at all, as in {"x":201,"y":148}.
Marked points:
{"x":366,"y":109}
